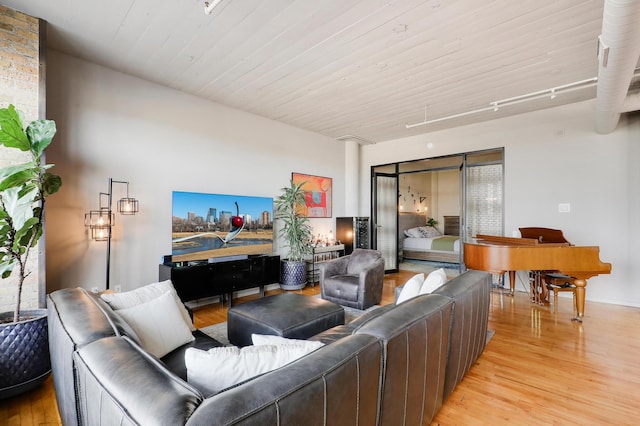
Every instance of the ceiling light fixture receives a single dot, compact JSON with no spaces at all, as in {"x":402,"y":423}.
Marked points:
{"x":209,"y":6}
{"x":496,"y":105}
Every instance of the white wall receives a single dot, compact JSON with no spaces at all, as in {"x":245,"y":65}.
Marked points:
{"x":160,"y":140}
{"x":448,"y":193}
{"x":551,"y":157}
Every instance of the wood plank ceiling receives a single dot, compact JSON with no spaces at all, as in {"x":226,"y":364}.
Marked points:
{"x":341,"y":67}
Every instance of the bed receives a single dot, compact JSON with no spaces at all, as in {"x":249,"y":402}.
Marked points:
{"x":441,"y":248}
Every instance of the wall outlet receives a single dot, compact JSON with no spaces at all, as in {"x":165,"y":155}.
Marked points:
{"x":564,"y":208}
{"x":117,"y":289}
{"x":94,"y":290}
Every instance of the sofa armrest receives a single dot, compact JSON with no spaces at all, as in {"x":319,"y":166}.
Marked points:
{"x":119,"y":383}
{"x":371,"y":283}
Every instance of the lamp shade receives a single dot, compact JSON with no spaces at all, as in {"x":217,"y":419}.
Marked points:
{"x":99,"y":221}
{"x":128,"y":206}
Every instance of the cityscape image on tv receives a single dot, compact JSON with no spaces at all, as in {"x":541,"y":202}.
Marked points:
{"x":213,"y":225}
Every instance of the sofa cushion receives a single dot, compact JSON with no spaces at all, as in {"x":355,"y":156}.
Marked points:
{"x":340,"y":331}
{"x":343,"y":287}
{"x":159,"y":325}
{"x":411,"y":288}
{"x":144,"y":294}
{"x":219,"y":368}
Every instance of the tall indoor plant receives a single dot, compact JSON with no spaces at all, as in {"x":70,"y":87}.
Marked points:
{"x":23,"y":190}
{"x":296,"y":231}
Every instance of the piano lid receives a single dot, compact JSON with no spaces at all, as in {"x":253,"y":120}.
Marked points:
{"x":543,"y":235}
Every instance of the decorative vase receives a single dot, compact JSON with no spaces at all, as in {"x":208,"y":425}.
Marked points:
{"x":24,"y":352}
{"x":294,"y":274}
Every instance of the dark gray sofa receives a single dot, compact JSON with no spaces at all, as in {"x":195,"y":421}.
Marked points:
{"x":388,"y":367}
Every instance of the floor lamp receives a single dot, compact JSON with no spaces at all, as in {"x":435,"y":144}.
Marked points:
{"x":100,"y":221}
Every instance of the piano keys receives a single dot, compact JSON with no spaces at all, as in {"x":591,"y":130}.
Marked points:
{"x":499,"y":255}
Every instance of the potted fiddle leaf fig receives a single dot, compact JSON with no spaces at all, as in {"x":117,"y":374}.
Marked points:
{"x":24,"y":350}
{"x":296,"y":232}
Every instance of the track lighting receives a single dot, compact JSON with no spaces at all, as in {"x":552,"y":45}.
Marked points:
{"x":496,"y":105}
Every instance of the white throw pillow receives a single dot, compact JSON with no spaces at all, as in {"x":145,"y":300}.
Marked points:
{"x":411,"y":288}
{"x":434,"y":280}
{"x":144,"y":294}
{"x":219,"y":368}
{"x":413,"y":233}
{"x":429,"y":232}
{"x":267,"y":339}
{"x":159,"y":325}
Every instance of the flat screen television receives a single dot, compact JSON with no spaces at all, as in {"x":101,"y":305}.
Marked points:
{"x":208,"y":226}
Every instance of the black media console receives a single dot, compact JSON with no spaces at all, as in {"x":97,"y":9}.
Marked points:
{"x":221,"y":276}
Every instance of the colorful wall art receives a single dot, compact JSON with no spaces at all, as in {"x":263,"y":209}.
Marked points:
{"x":317,"y":194}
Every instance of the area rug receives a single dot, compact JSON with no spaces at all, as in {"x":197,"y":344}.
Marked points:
{"x":413,"y":265}
{"x":219,"y":331}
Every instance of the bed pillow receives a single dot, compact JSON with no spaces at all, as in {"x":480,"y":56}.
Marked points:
{"x":266,"y":339}
{"x":159,"y":325}
{"x":411,"y":288}
{"x":219,"y":368}
{"x":413,"y":233}
{"x":433,"y":281}
{"x":144,"y":294}
{"x":429,"y":232}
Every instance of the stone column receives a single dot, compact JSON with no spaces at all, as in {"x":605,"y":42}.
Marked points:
{"x":22,"y":84}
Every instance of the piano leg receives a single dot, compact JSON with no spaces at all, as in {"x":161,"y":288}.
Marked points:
{"x":581,"y":289}
{"x":512,"y":282}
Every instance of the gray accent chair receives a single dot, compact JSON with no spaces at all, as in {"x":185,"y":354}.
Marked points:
{"x":354,"y":280}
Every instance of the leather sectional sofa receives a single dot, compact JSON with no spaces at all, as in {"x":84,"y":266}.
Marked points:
{"x":393,"y":365}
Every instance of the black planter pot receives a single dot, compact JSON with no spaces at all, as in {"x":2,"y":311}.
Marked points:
{"x":294,"y":274}
{"x":24,"y":352}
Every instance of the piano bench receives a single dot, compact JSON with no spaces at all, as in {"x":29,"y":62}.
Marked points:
{"x":560,"y":282}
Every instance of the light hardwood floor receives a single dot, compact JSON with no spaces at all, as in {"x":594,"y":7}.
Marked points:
{"x":538,"y":369}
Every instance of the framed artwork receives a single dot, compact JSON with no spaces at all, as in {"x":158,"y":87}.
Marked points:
{"x":317,"y":194}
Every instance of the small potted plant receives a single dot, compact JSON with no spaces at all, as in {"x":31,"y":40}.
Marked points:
{"x":296,"y":232}
{"x":24,"y":350}
{"x":432,"y":222}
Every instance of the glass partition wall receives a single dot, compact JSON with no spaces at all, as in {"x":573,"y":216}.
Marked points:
{"x":385,"y":218}
{"x":463,"y":191}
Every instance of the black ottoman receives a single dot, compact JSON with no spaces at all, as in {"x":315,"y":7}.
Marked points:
{"x":289,"y":315}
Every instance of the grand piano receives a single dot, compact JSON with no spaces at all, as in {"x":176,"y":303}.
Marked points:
{"x":499,"y":255}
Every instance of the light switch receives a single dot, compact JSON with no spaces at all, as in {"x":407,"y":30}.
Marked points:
{"x":564,"y":208}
